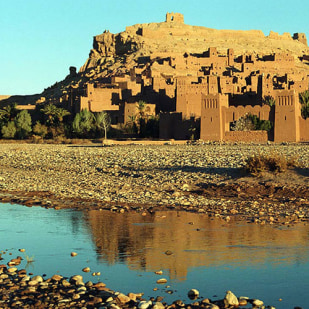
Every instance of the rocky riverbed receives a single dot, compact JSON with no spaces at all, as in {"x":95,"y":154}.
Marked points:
{"x":19,"y":289}
{"x":206,"y":178}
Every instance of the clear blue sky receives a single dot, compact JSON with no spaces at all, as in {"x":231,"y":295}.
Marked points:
{"x":41,"y":39}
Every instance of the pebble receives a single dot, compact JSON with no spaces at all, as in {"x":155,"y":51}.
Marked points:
{"x":257,"y":303}
{"x":19,"y":291}
{"x":162,"y":280}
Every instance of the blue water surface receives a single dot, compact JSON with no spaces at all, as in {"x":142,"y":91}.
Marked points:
{"x":264,"y":262}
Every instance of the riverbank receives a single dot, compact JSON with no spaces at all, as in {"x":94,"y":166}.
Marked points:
{"x":201,"y":178}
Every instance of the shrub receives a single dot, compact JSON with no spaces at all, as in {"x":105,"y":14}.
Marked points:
{"x":35,"y":139}
{"x":274,"y":162}
{"x":40,"y":129}
{"x":251,"y":123}
{"x":242,"y":124}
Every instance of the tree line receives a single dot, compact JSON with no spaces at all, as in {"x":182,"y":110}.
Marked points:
{"x":54,"y":122}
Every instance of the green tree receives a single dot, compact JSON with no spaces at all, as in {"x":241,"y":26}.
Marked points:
{"x":23,"y":124}
{"x":103,"y":122}
{"x":9,"y":130}
{"x":304,"y":100}
{"x":83,"y":124}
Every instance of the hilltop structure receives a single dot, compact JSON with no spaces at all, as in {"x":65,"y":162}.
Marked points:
{"x":198,"y":79}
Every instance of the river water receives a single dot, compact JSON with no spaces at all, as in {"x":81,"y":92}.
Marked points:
{"x":264,"y":262}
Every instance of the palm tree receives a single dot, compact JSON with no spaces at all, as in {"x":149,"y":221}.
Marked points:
{"x":50,"y":110}
{"x":55,"y":114}
{"x":8,"y":113}
{"x":269,"y":100}
{"x":60,"y":113}
{"x":141,"y":105}
{"x":132,"y":118}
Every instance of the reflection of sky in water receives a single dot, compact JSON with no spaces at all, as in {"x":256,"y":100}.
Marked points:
{"x":210,"y":255}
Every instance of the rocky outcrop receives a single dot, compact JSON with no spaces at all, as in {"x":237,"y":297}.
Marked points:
{"x":174,"y":37}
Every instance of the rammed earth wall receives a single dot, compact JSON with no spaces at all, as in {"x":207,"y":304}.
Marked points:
{"x":246,"y":136}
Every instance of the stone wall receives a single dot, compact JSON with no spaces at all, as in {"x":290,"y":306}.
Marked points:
{"x":246,"y":136}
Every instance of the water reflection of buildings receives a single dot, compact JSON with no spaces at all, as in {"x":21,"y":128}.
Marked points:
{"x":195,"y":240}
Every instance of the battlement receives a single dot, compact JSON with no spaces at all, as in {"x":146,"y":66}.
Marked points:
{"x":174,"y":18}
{"x":301,"y":37}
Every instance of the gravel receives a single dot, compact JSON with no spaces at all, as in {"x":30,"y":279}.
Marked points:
{"x":133,"y":174}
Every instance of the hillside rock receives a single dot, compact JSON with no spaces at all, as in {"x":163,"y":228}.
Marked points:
{"x":172,"y":38}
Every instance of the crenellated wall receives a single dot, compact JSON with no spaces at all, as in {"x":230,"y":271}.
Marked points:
{"x":289,"y":126}
{"x":233,"y":113}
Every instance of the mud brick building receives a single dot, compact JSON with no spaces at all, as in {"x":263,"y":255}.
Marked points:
{"x":203,"y":90}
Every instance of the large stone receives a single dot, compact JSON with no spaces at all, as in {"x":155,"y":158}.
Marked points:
{"x":162,"y":280}
{"x":230,"y":299}
{"x":193,"y":294}
{"x":158,"y":305}
{"x":257,"y":302}
{"x":144,"y":304}
{"x":122,"y":299}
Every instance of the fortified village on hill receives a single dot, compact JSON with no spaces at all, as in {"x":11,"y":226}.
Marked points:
{"x":193,"y":89}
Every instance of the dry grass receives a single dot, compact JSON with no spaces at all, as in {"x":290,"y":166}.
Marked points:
{"x":274,"y":162}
